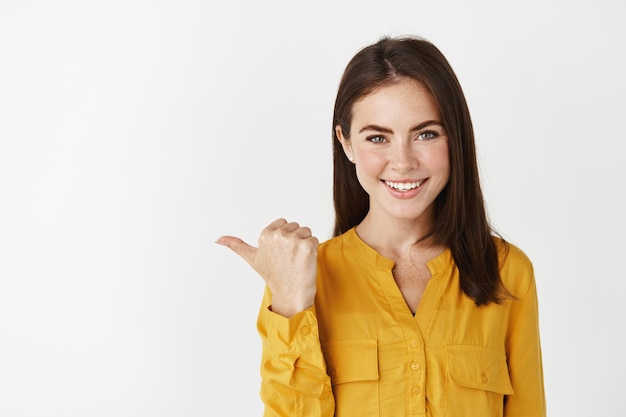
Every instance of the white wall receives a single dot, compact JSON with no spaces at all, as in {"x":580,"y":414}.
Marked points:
{"x":134,"y":133}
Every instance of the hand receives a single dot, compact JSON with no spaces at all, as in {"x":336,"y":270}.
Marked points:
{"x":287,"y":260}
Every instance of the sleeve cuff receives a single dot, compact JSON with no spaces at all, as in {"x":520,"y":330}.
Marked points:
{"x":296,"y":334}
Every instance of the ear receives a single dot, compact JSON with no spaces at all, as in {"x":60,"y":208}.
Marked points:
{"x":345,"y":143}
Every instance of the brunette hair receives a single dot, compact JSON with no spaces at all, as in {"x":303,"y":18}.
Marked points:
{"x":460,"y":220}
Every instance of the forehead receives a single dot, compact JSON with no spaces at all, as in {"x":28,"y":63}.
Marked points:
{"x":406,"y":99}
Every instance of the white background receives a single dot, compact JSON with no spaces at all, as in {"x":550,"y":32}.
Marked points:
{"x":133,"y":134}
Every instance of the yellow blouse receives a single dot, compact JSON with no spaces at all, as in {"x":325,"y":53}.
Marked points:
{"x":359,"y":351}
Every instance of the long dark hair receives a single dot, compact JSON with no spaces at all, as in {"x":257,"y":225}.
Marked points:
{"x":460,"y":220}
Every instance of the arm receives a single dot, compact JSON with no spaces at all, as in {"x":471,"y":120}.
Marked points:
{"x":294,"y":380}
{"x":293,"y":370}
{"x":524,"y":356}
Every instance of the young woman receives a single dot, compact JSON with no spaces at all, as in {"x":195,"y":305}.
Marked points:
{"x":414,"y":308}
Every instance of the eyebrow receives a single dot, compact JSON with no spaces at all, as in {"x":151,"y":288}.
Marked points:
{"x":383,"y":129}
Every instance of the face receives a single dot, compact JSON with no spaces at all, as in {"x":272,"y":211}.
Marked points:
{"x":400,"y":150}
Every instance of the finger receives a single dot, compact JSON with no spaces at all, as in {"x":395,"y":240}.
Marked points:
{"x":238,"y":246}
{"x":277,"y":224}
{"x":314,"y":241}
{"x":290,"y":227}
{"x":304,"y":232}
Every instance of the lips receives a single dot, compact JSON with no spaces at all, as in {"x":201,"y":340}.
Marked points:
{"x":404,"y":186}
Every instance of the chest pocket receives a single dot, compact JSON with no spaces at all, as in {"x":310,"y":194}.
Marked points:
{"x":353,"y":370}
{"x":478,"y":380}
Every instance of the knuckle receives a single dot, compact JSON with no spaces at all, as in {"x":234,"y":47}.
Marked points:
{"x":291,"y":227}
{"x":278,"y":223}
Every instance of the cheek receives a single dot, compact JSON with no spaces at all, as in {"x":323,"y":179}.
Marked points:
{"x":369,"y":167}
{"x":439,"y":161}
{"x":369,"y":164}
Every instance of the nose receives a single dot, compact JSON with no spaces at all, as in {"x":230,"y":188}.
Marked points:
{"x":404,"y":158}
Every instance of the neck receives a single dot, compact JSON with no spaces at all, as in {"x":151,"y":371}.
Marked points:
{"x":393,"y":237}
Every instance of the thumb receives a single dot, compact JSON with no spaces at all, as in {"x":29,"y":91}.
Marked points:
{"x":238,"y":246}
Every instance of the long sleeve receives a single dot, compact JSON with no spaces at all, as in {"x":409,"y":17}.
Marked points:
{"x":293,"y":369}
{"x":524,"y":356}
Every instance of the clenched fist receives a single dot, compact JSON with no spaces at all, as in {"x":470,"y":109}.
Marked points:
{"x":286,"y":258}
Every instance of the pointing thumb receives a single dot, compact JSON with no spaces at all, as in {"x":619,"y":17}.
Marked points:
{"x":238,"y":246}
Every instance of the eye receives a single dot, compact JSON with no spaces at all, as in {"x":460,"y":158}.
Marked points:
{"x":376,"y":139}
{"x":427,"y":135}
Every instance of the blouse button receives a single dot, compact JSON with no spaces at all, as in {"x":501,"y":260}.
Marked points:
{"x":306,"y":330}
{"x":484,"y":378}
{"x":415,"y":366}
{"x":414,"y":344}
{"x":416,"y":389}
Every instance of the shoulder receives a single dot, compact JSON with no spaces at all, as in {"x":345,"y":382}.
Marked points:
{"x":347,"y":239}
{"x":333,"y":241}
{"x":516,"y":268}
{"x":332,"y":245}
{"x":509,"y":255}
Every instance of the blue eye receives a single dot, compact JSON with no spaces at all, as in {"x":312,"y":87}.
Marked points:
{"x":429,"y":134}
{"x":376,"y":139}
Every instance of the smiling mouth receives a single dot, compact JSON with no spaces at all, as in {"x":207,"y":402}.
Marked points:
{"x":404,"y":186}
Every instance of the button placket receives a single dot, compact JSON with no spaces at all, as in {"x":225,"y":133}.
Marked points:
{"x":416,"y":378}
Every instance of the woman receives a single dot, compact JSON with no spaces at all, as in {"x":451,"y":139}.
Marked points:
{"x":414,"y":308}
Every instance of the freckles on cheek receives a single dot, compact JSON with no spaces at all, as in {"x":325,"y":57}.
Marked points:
{"x":438,"y":158}
{"x":369,"y":165}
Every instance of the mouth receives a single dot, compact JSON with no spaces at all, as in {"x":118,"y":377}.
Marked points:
{"x":404,"y":186}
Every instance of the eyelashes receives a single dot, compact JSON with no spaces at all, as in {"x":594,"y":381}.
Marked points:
{"x":422,"y":136}
{"x":427,"y":135}
{"x":376,"y":139}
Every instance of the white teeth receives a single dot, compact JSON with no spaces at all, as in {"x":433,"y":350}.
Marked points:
{"x":404,"y":186}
